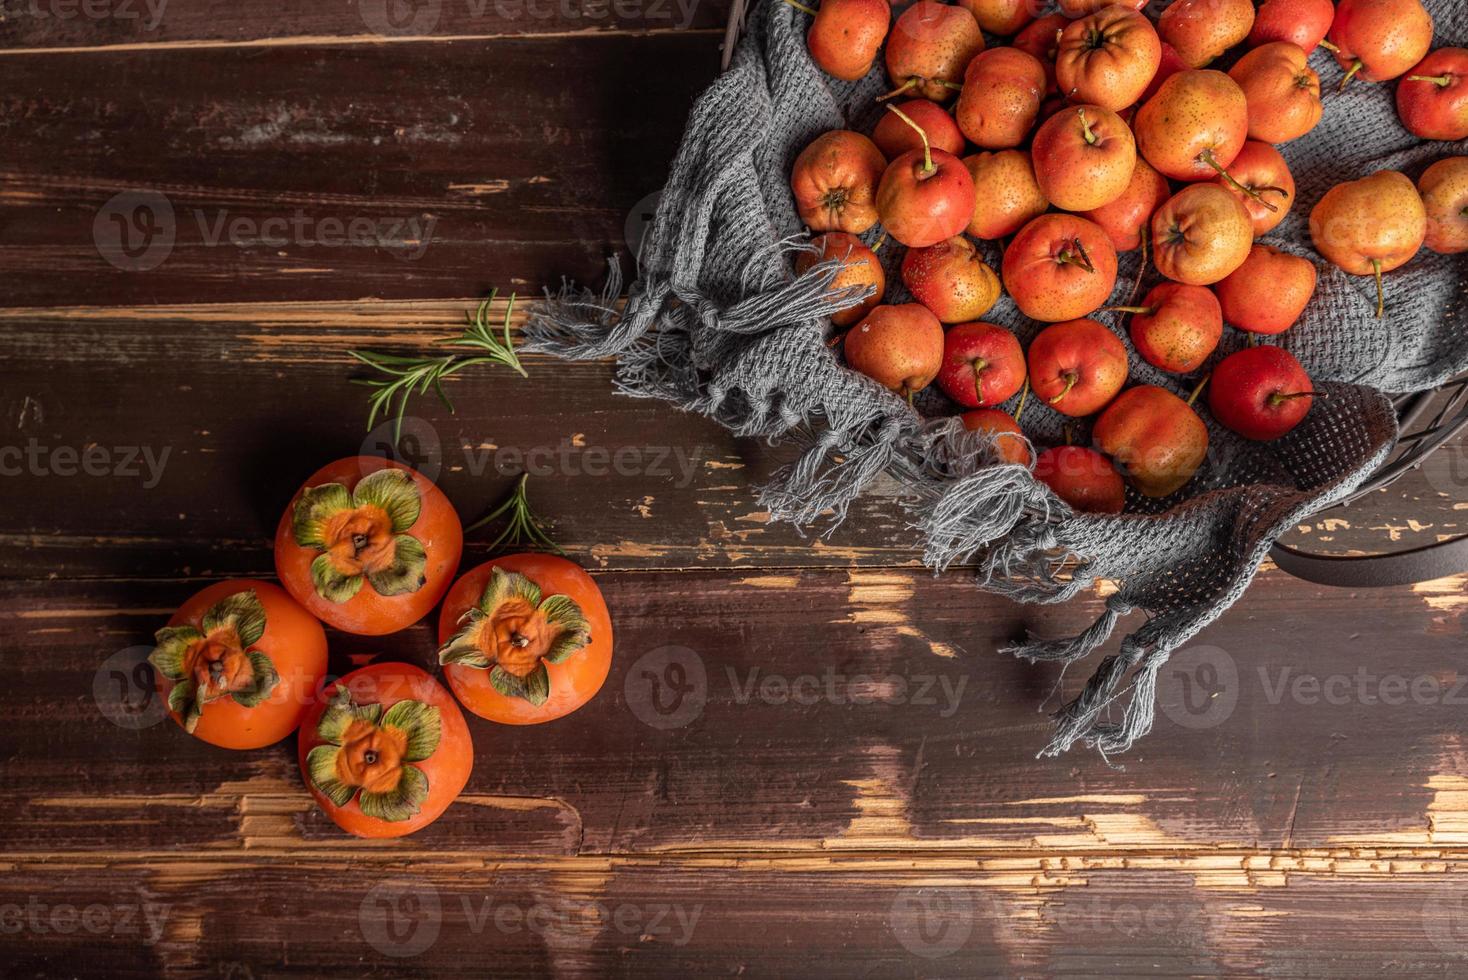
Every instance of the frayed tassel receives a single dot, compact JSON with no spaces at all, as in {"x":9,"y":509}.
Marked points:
{"x":1070,"y":649}
{"x":807,"y":297}
{"x":815,"y":485}
{"x":1030,"y":565}
{"x":580,"y":325}
{"x":1079,"y":720}
{"x":975,"y":511}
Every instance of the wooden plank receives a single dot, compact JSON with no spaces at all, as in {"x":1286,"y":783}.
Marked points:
{"x":199,"y":914}
{"x":247,"y":401}
{"x":75,"y":25}
{"x":361,"y":170}
{"x":1277,"y":733}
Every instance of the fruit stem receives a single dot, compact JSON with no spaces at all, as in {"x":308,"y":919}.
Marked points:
{"x":910,"y":393}
{"x":1024,"y":394}
{"x":979,"y":365}
{"x":1278,"y":398}
{"x":1442,"y":81}
{"x":1070,"y":382}
{"x":1142,"y":267}
{"x":927,"y":150}
{"x":1198,"y":390}
{"x":1142,"y":310}
{"x":1066,"y":256}
{"x":1086,"y":128}
{"x":899,"y":89}
{"x":1207,"y":157}
{"x":881,"y":240}
{"x":1380,"y":296}
{"x":1328,"y":46}
{"x":952,"y":86}
{"x":801,"y":7}
{"x":1355,"y":67}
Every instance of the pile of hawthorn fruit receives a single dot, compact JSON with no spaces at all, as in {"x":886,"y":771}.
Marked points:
{"x":1085,"y":123}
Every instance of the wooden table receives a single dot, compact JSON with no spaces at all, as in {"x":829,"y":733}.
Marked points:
{"x":841,"y":781}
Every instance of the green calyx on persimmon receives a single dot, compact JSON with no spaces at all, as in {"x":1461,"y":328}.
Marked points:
{"x":368,"y":753}
{"x":214,"y":660}
{"x":513,"y":633}
{"x":361,"y":535}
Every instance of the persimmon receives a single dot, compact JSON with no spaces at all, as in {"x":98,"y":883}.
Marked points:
{"x":238,"y":664}
{"x":385,"y":750}
{"x":368,"y":545}
{"x":525,"y":639}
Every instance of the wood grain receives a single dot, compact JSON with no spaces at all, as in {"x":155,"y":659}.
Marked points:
{"x":266,"y":398}
{"x":1225,"y":848}
{"x":69,"y":26}
{"x":371,"y":170}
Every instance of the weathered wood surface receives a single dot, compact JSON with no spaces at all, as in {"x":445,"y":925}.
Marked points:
{"x":1300,"y":809}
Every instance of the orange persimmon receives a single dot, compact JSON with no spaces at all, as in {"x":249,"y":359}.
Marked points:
{"x":525,"y":639}
{"x":368,"y":545}
{"x":385,"y":750}
{"x":239,"y":663}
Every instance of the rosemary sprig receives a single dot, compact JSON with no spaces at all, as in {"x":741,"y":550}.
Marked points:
{"x":407,"y":375}
{"x":524,"y":528}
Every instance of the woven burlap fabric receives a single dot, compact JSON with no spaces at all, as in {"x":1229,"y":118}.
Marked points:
{"x":717,"y":323}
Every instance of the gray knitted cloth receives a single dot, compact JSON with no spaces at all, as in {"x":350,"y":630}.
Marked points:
{"x":717,"y":323}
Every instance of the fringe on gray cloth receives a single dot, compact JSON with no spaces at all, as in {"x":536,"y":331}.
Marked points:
{"x":718,"y":323}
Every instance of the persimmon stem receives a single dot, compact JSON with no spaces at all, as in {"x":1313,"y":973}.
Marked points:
{"x":1380,"y":294}
{"x":1442,"y":81}
{"x":1207,"y":157}
{"x":927,"y":150}
{"x":1199,"y":389}
{"x":801,"y":7}
{"x":899,"y":89}
{"x":1024,"y":394}
{"x":1070,"y":382}
{"x":1355,"y":67}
